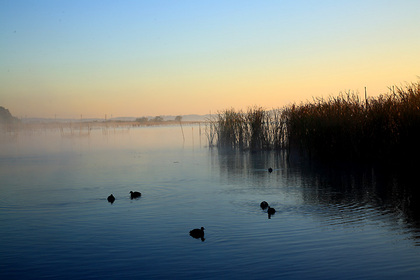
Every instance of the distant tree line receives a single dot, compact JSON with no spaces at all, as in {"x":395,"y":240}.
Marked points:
{"x":156,"y":119}
{"x":6,"y":116}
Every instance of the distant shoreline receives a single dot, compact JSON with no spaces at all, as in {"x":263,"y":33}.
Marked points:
{"x":87,"y":124}
{"x":164,"y":118}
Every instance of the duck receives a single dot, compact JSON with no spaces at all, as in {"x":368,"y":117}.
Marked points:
{"x":111,"y":199}
{"x":264,"y":205}
{"x":197,"y":233}
{"x":135,"y":194}
{"x":271,"y":211}
{"x":270,"y":169}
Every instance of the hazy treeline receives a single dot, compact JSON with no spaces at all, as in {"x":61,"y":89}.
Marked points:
{"x":343,"y":127}
{"x":6,"y":117}
{"x":156,"y":119}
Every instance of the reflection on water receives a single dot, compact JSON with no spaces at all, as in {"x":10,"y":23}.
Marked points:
{"x":356,"y":193}
{"x":56,"y":221}
{"x":344,"y":194}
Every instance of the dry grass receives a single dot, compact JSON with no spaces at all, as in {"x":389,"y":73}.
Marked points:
{"x":255,"y":129}
{"x":343,"y":127}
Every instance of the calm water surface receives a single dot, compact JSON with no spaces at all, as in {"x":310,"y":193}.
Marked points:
{"x":341,"y":223}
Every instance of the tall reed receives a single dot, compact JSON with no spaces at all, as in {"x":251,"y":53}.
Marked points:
{"x":344,"y":127}
{"x":255,"y":129}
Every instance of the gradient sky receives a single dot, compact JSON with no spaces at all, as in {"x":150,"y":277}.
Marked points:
{"x":148,"y":58}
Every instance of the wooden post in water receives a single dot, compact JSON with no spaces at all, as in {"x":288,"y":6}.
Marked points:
{"x":80,"y":128}
{"x":199,"y":133}
{"x":183,"y":136}
{"x":192,"y":133}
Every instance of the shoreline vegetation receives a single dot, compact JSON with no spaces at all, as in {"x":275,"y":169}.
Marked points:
{"x":70,"y":128}
{"x":84,"y":128}
{"x":343,"y":128}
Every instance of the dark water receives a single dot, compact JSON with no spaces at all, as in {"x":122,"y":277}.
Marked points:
{"x":331,"y":223}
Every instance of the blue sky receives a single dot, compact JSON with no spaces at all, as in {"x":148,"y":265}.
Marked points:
{"x":135,"y":58}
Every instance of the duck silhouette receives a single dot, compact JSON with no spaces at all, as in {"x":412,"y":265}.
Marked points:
{"x":264,"y":205}
{"x":134,"y":194}
{"x":270,"y":212}
{"x":270,"y":169}
{"x":111,"y":199}
{"x":197,"y":233}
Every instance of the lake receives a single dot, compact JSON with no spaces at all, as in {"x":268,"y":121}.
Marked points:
{"x":331,"y":223}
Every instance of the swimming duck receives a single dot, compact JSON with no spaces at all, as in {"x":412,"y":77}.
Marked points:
{"x":111,"y":199}
{"x":271,"y":211}
{"x":264,"y":205}
{"x":270,"y":169}
{"x":197,"y":233}
{"x":135,"y":194}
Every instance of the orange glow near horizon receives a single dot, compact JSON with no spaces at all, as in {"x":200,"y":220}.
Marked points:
{"x":64,"y":65}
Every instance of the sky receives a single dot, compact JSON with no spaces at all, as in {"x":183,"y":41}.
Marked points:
{"x":98,"y":58}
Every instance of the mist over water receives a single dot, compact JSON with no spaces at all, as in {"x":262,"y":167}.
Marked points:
{"x":330,"y":223}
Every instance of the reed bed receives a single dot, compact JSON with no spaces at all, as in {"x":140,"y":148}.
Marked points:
{"x":255,"y":129}
{"x":344,"y":127}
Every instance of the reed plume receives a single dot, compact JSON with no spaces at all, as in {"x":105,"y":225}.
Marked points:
{"x":343,"y":127}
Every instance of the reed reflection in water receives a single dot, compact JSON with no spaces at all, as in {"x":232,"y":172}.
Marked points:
{"x":343,"y":194}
